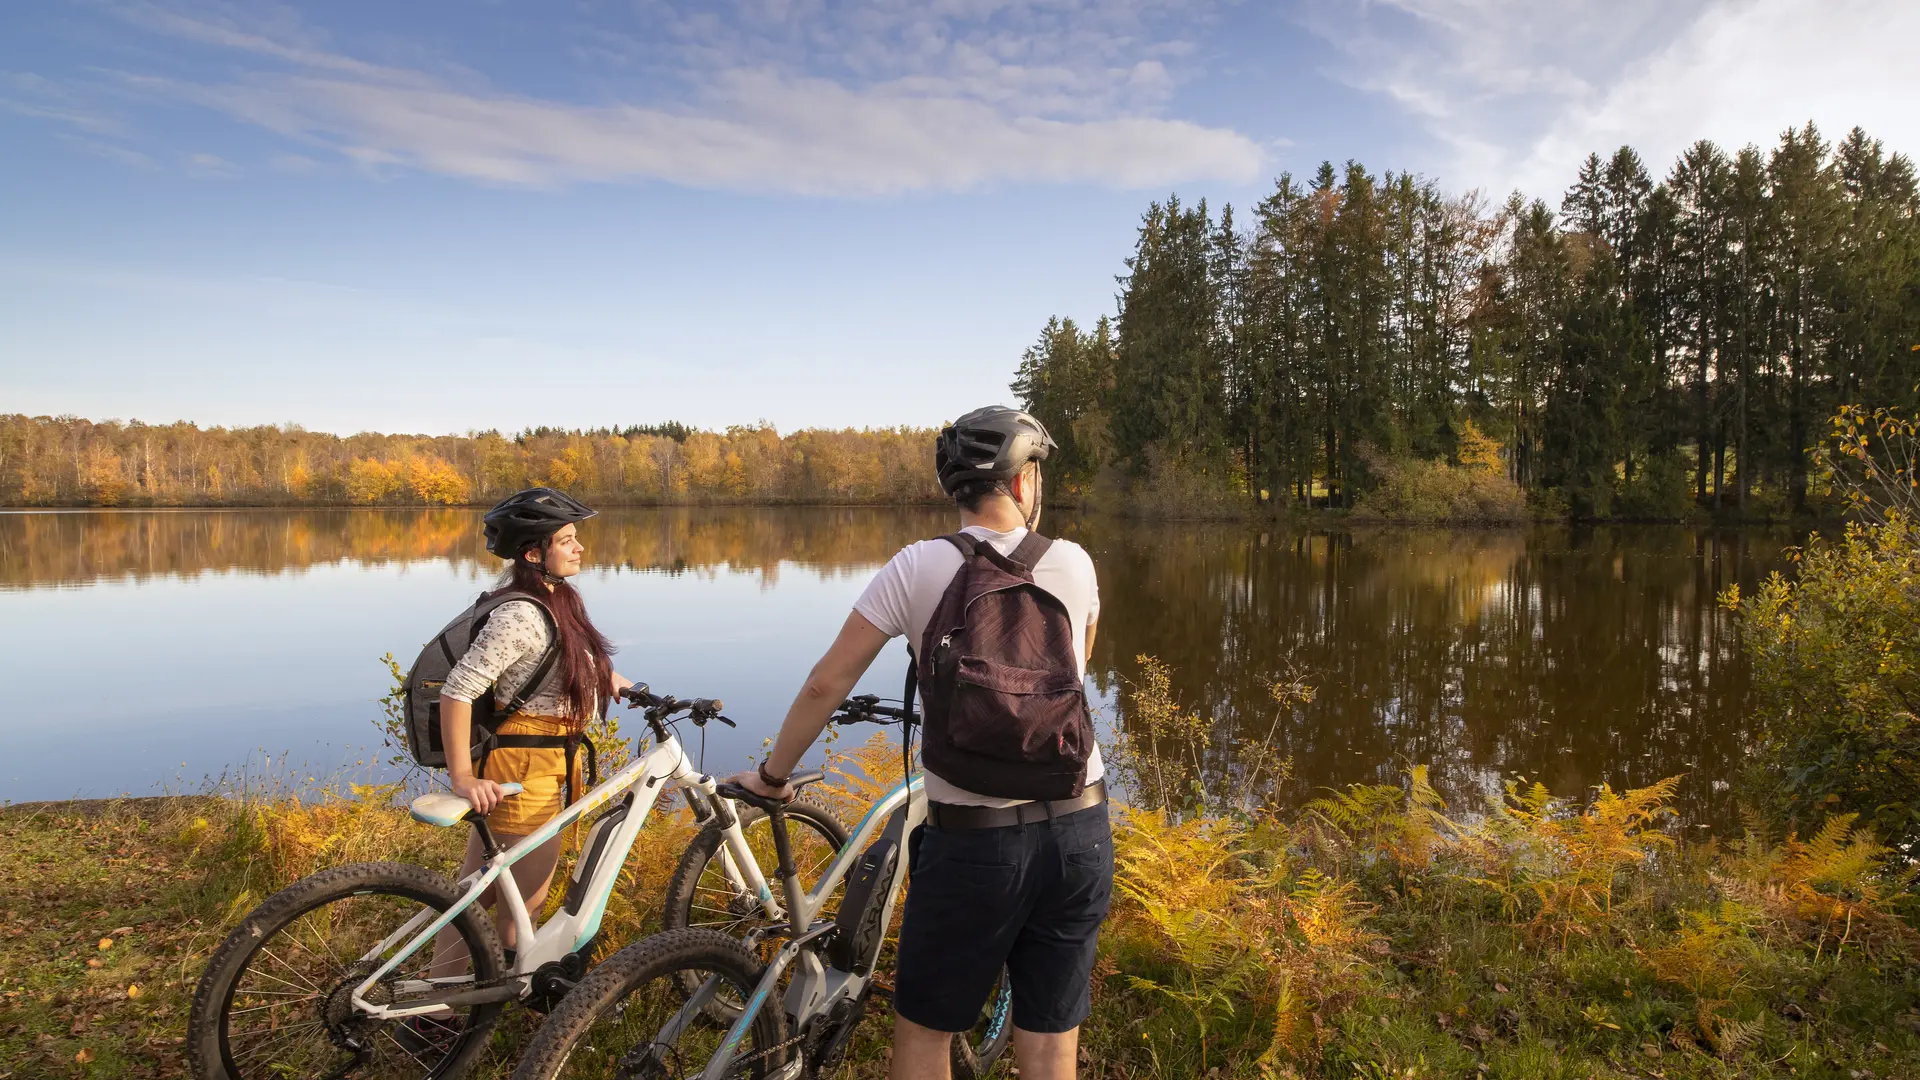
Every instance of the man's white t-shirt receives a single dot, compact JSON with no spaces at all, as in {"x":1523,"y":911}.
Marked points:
{"x":901,"y":597}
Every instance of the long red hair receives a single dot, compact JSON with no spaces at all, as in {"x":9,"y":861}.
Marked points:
{"x":585,"y":661}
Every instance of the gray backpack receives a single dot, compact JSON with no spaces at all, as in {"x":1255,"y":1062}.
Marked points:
{"x":438,"y":657}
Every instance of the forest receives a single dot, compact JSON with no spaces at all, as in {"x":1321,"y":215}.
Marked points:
{"x":1649,"y":347}
{"x":65,"y":461}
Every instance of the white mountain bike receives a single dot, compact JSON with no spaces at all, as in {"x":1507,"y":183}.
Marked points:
{"x":335,"y":976}
{"x":694,"y":1002}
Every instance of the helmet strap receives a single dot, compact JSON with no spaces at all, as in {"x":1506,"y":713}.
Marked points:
{"x":1033,"y":515}
{"x":551,"y":579}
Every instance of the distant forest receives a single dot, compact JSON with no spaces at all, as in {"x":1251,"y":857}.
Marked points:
{"x":63,"y":461}
{"x":1647,"y":347}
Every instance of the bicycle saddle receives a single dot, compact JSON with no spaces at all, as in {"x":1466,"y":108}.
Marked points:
{"x":444,"y":808}
{"x":796,"y":782}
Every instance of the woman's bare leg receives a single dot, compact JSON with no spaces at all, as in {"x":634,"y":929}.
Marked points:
{"x":532,"y":875}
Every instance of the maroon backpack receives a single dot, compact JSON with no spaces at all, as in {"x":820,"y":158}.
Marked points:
{"x":1005,"y":711}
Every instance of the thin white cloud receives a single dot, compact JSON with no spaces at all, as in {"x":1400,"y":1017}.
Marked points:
{"x":1518,"y":92}
{"x":926,"y":98}
{"x":1744,"y":72}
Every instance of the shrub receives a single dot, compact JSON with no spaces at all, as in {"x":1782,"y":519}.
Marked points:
{"x":1836,"y":675}
{"x":1411,"y":490}
{"x":1659,"y":491}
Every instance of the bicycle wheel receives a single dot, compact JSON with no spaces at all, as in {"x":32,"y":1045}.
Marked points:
{"x":975,"y":1051}
{"x":615,"y":1023}
{"x":699,"y":895}
{"x":274,"y":1001}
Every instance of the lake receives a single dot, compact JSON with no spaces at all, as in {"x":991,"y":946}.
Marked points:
{"x":151,"y":651}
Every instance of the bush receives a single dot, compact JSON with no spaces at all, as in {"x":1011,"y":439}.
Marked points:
{"x":1836,"y":674}
{"x":1411,"y":490}
{"x":1660,"y":491}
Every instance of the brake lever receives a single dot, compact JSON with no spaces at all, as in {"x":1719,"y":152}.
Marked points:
{"x":725,"y":721}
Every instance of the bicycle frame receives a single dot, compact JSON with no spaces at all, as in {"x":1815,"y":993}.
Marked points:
{"x":816,"y":987}
{"x":578,"y":920}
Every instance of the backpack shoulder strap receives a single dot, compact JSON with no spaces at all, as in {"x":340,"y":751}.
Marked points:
{"x":532,"y":685}
{"x":968,"y":545}
{"x":1030,"y":550}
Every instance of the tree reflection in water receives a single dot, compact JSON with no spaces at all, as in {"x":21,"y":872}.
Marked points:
{"x":1567,"y":655}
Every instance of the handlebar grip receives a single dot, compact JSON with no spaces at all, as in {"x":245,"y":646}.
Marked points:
{"x":707,"y":705}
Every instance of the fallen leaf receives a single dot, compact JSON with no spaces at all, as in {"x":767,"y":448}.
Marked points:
{"x":133,"y":991}
{"x":1498,"y":988}
{"x":84,"y":1056}
{"x":96,"y":963}
{"x":106,"y":943}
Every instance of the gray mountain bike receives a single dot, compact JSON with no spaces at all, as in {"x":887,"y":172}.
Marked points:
{"x":695,"y":1002}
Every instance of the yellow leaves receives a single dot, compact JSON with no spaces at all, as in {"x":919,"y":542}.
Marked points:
{"x":1407,"y":826}
{"x":85,"y":1056}
{"x":1700,"y":958}
{"x":1476,"y":450}
{"x":1598,"y":1016}
{"x":133,"y":990}
{"x":1831,"y":887}
{"x":106,"y":943}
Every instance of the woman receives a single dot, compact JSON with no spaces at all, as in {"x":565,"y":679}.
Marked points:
{"x":536,"y":530}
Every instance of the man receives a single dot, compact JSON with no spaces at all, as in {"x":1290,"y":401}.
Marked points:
{"x":996,"y":881}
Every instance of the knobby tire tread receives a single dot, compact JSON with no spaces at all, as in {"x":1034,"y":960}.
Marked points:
{"x":664,"y":955}
{"x":216,"y":985}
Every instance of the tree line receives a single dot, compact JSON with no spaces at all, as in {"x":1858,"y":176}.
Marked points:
{"x":1648,"y":346}
{"x":65,"y":461}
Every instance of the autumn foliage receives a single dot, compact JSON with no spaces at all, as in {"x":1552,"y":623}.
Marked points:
{"x":65,"y":461}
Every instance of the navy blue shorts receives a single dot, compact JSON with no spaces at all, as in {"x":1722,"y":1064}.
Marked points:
{"x":1029,"y":897}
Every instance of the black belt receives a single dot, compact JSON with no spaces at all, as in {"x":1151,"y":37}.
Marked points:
{"x":572,"y":744}
{"x":950,"y":816}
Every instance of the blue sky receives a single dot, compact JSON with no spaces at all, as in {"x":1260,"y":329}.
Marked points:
{"x":440,"y":216}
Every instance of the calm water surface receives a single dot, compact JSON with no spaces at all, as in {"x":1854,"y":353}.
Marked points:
{"x":150,"y":650}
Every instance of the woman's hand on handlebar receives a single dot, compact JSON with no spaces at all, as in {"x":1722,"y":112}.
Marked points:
{"x":484,"y":794}
{"x":620,"y":683}
{"x":752,"y":782}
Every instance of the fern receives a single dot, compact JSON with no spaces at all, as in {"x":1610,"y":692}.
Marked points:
{"x":1832,"y":887}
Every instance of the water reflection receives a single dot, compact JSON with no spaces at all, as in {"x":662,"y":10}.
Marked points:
{"x":1571,"y":656}
{"x":65,"y":548}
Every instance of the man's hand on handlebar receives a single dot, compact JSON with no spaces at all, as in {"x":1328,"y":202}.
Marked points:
{"x":752,"y":782}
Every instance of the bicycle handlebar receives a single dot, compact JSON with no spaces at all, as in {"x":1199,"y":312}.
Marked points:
{"x":662,"y":706}
{"x":866,"y":709}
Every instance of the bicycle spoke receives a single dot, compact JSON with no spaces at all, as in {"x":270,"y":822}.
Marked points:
{"x":289,"y":967}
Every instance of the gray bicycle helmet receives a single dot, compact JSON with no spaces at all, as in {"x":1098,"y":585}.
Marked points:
{"x":528,"y":517}
{"x":992,"y":443}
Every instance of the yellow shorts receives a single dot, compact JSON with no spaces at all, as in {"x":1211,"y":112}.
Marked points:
{"x":541,"y":771}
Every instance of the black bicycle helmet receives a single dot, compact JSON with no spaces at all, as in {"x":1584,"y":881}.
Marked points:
{"x":528,"y":517}
{"x":992,"y":443}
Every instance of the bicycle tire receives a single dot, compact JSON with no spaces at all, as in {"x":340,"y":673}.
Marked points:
{"x":644,"y":979}
{"x":210,"y":1049}
{"x":975,"y":1052}
{"x":684,"y":887}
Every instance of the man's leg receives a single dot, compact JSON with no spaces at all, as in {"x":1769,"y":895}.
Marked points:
{"x":1045,"y":1056}
{"x":920,"y":1053}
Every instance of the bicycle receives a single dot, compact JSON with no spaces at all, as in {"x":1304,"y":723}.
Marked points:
{"x":334,"y":976}
{"x":692,"y":1001}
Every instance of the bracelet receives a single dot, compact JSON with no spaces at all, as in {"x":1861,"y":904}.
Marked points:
{"x":772,"y":781}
